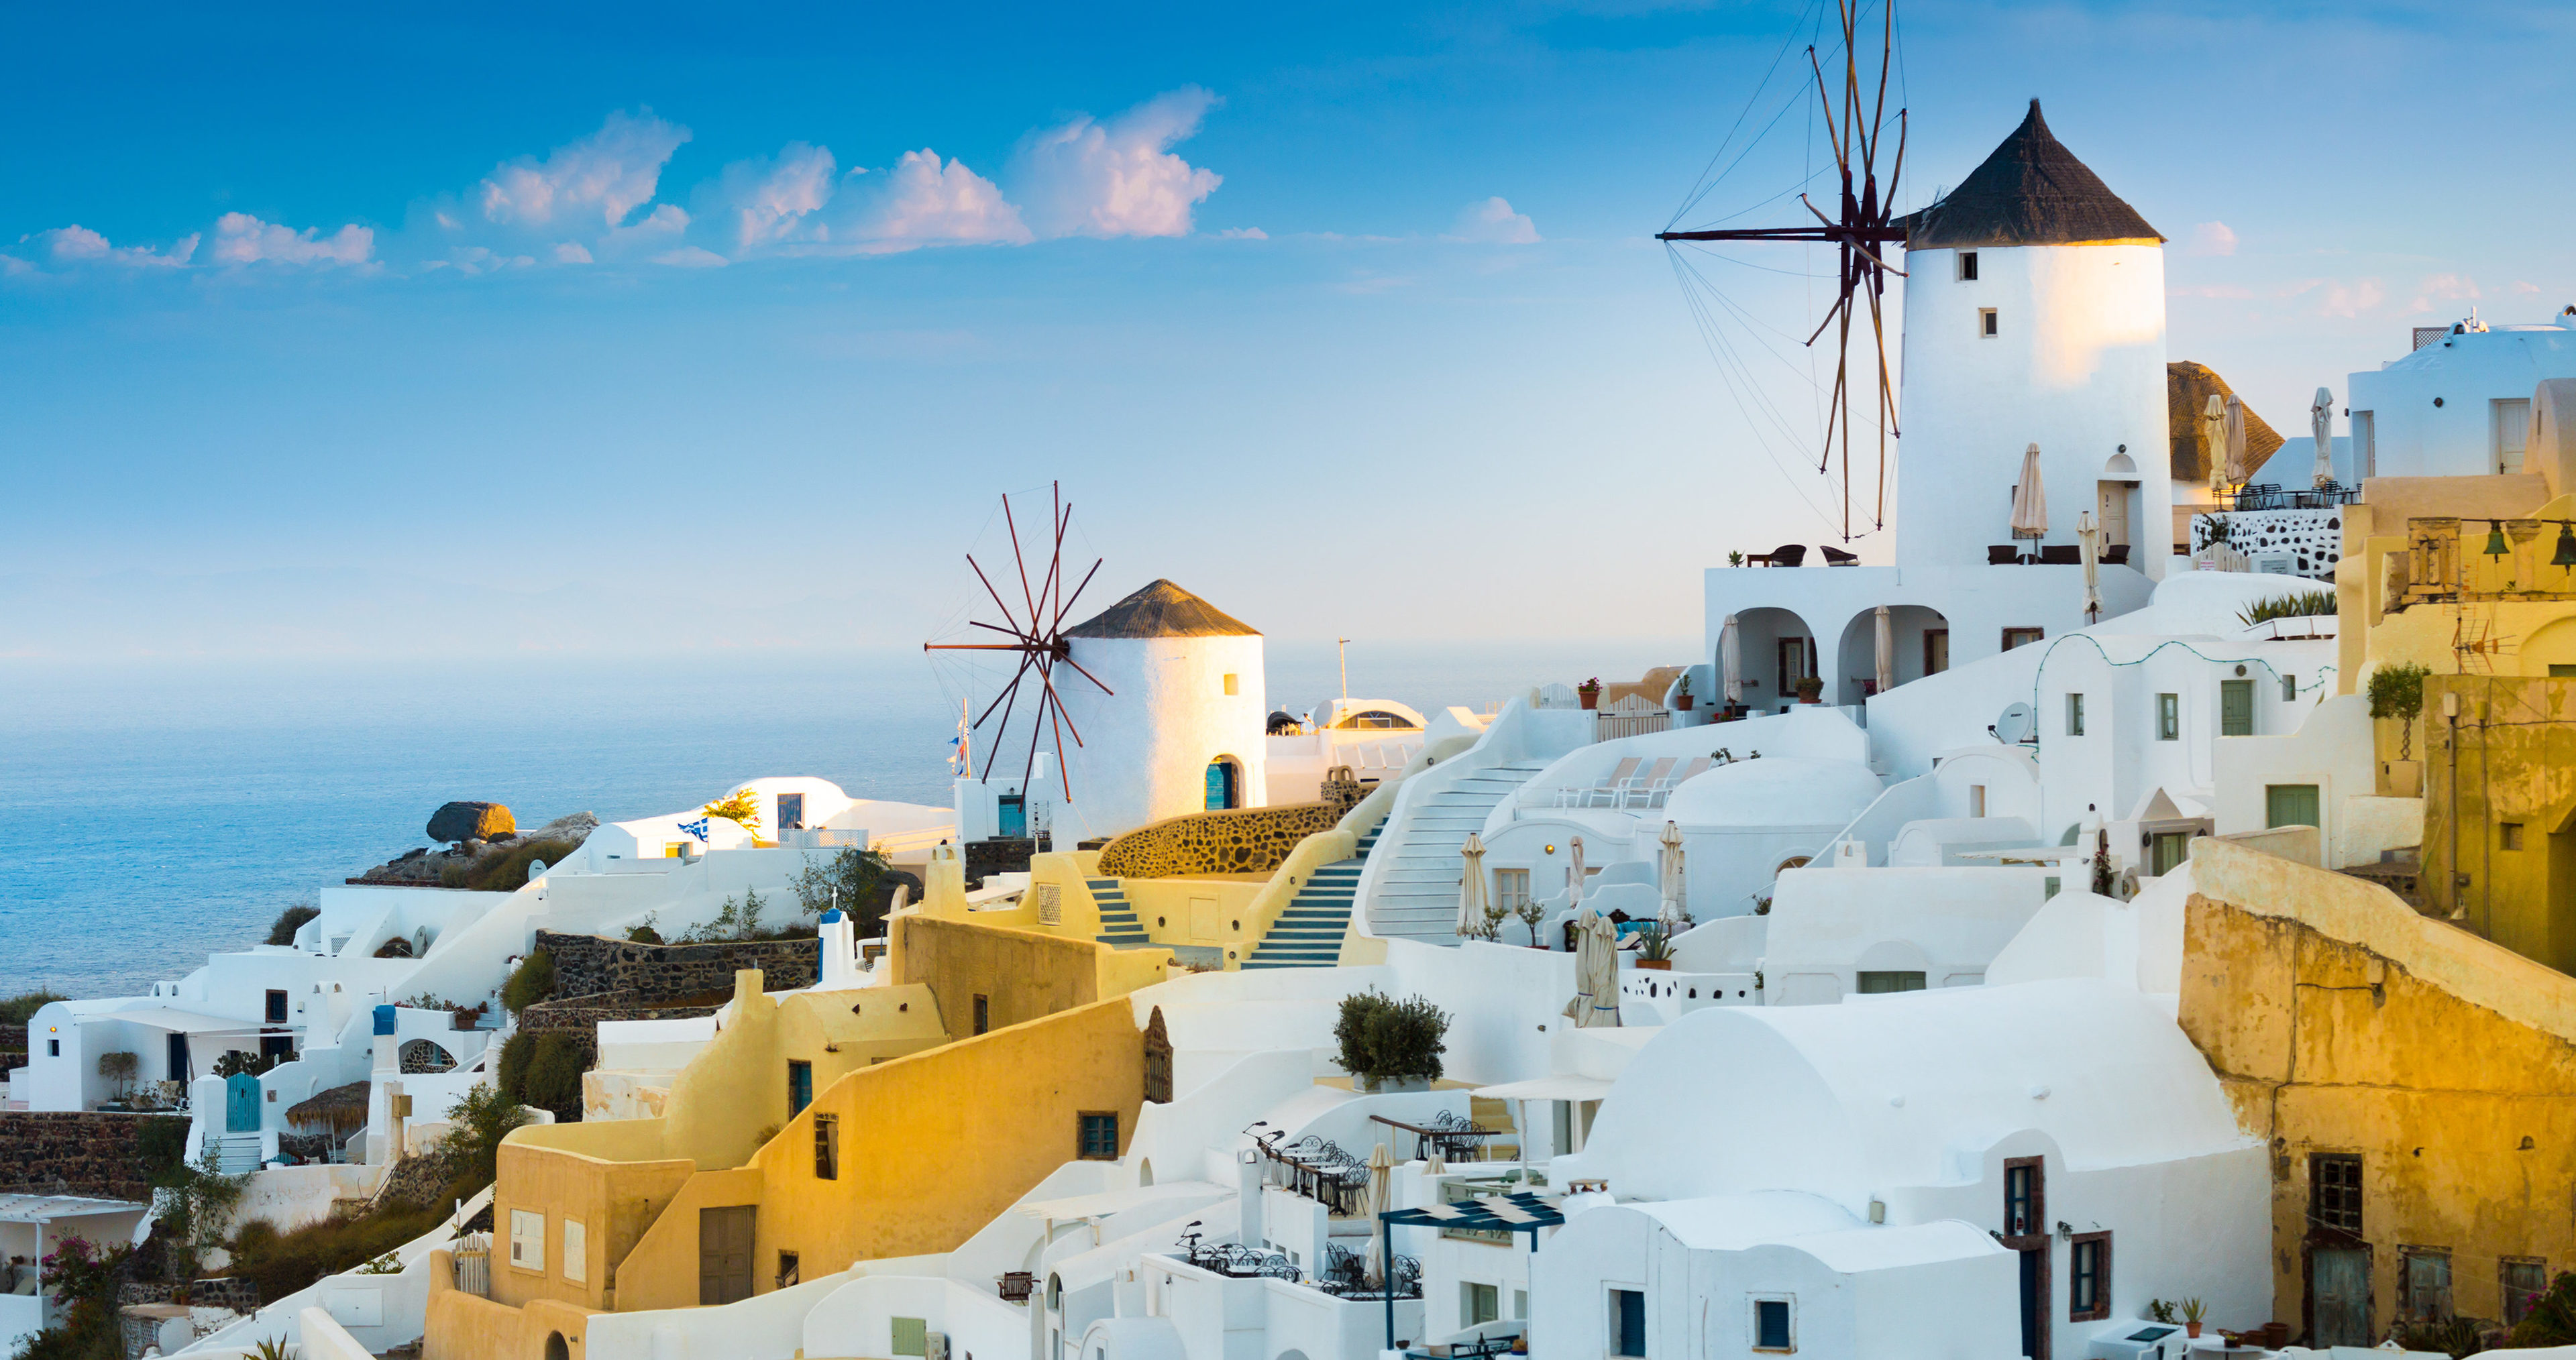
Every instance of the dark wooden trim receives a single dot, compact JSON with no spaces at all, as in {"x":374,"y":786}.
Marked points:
{"x":1081,"y":1155}
{"x":2101,"y":1308}
{"x":2038,"y":1244}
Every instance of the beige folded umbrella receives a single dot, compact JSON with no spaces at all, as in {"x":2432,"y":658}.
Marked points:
{"x":1730,"y":659}
{"x":1886,"y":650}
{"x":2030,"y":500}
{"x":2234,"y":424}
{"x":1471,"y":888}
{"x":2321,"y":421}
{"x":1675,"y":911}
{"x":2213,"y":436}
{"x":2090,"y":538}
{"x":1596,"y":971}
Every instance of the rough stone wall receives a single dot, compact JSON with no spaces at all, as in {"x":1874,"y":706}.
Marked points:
{"x":592,"y":965}
{"x":1000,"y":855}
{"x":2314,"y":536}
{"x":1238,"y":841}
{"x":13,"y":1038}
{"x":88,"y":1153}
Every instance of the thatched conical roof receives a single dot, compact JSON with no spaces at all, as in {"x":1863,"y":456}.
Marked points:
{"x":2188,"y":388}
{"x":340,"y":1108}
{"x":1162,"y":610}
{"x":2030,"y":192}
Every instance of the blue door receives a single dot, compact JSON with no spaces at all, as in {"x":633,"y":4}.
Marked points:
{"x":1220,"y":785}
{"x":241,"y":1103}
{"x":1014,"y":818}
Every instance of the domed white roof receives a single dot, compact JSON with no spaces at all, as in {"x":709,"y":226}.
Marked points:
{"x":1775,"y":791}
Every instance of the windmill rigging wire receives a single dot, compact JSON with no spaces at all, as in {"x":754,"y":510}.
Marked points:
{"x":1700,"y":188}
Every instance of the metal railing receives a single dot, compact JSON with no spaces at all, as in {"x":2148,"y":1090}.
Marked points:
{"x":1319,"y":1169}
{"x":2266,"y":496}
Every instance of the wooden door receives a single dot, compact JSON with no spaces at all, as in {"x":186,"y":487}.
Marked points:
{"x":2235,"y":708}
{"x":2338,"y":1297}
{"x":2114,"y":518}
{"x":724,"y":1254}
{"x":241,"y":1103}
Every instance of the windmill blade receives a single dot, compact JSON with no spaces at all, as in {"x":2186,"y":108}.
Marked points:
{"x":1007,"y":692}
{"x":1063,"y":767}
{"x":1007,"y":616}
{"x":1057,"y":700}
{"x":1006,"y":632}
{"x":1067,"y":659}
{"x":1019,"y":560}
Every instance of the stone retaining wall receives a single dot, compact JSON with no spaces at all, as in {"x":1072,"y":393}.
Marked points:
{"x":1238,"y":841}
{"x":1000,"y":855}
{"x":99,"y":1154}
{"x":593,"y":965}
{"x":579,"y":1017}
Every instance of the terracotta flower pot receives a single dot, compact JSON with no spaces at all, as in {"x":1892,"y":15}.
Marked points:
{"x":1658,"y":965}
{"x":1591,"y":697}
{"x":1683,"y":702}
{"x":2191,"y":1328}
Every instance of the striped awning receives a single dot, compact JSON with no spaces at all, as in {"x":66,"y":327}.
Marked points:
{"x":1520,"y":1211}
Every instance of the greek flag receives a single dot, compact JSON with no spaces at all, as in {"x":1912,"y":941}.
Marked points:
{"x":697,"y":828}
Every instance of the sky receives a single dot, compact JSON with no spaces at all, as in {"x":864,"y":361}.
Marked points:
{"x":645,"y":329}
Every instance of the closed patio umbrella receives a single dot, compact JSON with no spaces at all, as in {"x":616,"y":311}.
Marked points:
{"x":2321,"y":421}
{"x":1730,"y":659}
{"x":2234,"y":424}
{"x":1381,"y":1199}
{"x":1471,"y":888}
{"x":1675,"y":911}
{"x":2030,"y":499}
{"x":1886,"y":641}
{"x":2090,"y":538}
{"x":1574,"y":877}
{"x":1596,"y":971}
{"x":2213,"y":438}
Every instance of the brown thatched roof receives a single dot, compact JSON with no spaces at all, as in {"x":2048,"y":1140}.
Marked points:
{"x":341,"y":1107}
{"x":2188,"y":388}
{"x":2030,"y":192}
{"x":1162,"y":610}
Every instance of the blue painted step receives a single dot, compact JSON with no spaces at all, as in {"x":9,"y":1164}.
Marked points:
{"x":1308,"y":933}
{"x":1118,"y":924}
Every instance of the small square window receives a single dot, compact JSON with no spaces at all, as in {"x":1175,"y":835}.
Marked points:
{"x":2509,"y":835}
{"x":2289,"y":689}
{"x":791,"y":1270}
{"x":1627,"y":1322}
{"x":1099,"y":1137}
{"x":576,"y":1251}
{"x":528,"y":1239}
{"x":2088,"y":1291}
{"x":1771,"y":1330}
{"x":1233,"y":684}
{"x":983,"y":1013}
{"x":2075,"y":715}
{"x":1967,"y":266}
{"x":2022,"y":637}
{"x":1876,"y":983}
{"x":53,"y":1048}
{"x":1478,"y":1304}
{"x":2523,"y":1279}
{"x":2168,"y":717}
{"x":1986,"y":324}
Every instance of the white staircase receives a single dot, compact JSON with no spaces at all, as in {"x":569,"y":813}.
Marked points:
{"x":236,"y":1153}
{"x":1415,"y":893}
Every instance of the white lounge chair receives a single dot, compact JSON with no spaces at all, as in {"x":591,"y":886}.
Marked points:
{"x":1606,"y":793}
{"x":1662,"y":789}
{"x":1635,"y":792}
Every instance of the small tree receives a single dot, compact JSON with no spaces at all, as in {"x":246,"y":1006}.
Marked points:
{"x":2398,"y":692}
{"x":121,"y":1068}
{"x":741,"y":807}
{"x":854,"y":879}
{"x":483,"y":1116}
{"x":291,"y":920}
{"x":1382,"y":1039}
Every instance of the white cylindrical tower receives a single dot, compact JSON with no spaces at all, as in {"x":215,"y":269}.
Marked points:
{"x":2034,"y":314}
{"x":1183,"y":729}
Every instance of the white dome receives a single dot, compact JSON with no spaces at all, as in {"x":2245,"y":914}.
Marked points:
{"x":1776,"y":791}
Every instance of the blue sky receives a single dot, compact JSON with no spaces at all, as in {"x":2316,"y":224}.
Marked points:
{"x":645,"y":329}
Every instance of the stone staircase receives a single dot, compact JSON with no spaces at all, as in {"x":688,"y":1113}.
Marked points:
{"x":1417,"y":891}
{"x":1308,"y":933}
{"x":1119,"y":927}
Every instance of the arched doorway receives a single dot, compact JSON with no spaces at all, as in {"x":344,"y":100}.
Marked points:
{"x":1224,"y":784}
{"x":1921,"y":638}
{"x":1777,"y":648}
{"x":557,"y":1348}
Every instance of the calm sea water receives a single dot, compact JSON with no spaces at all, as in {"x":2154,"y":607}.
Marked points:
{"x":153,"y":813}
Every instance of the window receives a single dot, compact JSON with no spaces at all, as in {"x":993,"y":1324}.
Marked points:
{"x":1873,"y":983}
{"x":2523,"y":1279}
{"x":2235,"y":708}
{"x":2075,"y":715}
{"x":2508,"y":835}
{"x":1936,"y":650}
{"x":2424,"y":1277}
{"x":2290,"y":805}
{"x":576,"y":1251}
{"x":1986,"y":323}
{"x":2168,"y":717}
{"x":2512,"y":418}
{"x":1098,"y":1137}
{"x":53,"y":1048}
{"x":1967,"y":266}
{"x":2559,"y":670}
{"x":1478,"y":1303}
{"x":527,"y":1239}
{"x":1976,"y":800}
{"x":1511,"y":888}
{"x":276,"y":1007}
{"x":1233,"y":684}
{"x":2334,"y":1191}
{"x":791,"y":1270}
{"x":1771,"y":1325}
{"x":2022,"y":637}
{"x":800,"y":1086}
{"x":2088,"y":1290}
{"x":1795,"y":665}
{"x":1627,"y":1322}
{"x":2167,"y":851}
{"x":2289,"y":689}
{"x":2365,"y":446}
{"x":827,"y":1147}
{"x":983,"y":1013}
{"x":911,"y":1336}
{"x":2025,"y":1197}
{"x":791,"y":812}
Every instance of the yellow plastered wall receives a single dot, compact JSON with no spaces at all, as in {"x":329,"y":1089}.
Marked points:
{"x":461,"y":1326}
{"x":2499,"y":850}
{"x":1200,"y":911}
{"x":614,"y":1201}
{"x":2339,"y":1020}
{"x":735,"y":1091}
{"x":931,"y":1148}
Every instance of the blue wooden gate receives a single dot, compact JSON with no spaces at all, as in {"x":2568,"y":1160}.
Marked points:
{"x":241,"y":1103}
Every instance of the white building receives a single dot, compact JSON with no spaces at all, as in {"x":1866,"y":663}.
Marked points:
{"x":1175,"y":722}
{"x":2460,"y":403}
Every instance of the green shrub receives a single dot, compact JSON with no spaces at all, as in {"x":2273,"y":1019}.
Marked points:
{"x":1383,"y":1039}
{"x":508,"y":872}
{"x":2456,"y":1337}
{"x":511,"y":1071}
{"x":2552,"y":1319}
{"x":2398,"y":692}
{"x":854,"y":879}
{"x":279,"y":1264}
{"x":483,"y":1116}
{"x":2297,"y":605}
{"x":531,"y":982}
{"x":22,"y":1008}
{"x":553,"y":1077}
{"x":291,"y":920}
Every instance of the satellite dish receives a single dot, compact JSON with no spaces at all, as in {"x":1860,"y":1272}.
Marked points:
{"x":2017,"y":725}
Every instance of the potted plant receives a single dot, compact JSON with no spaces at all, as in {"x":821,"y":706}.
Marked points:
{"x":2397,"y":692}
{"x":1530,"y":910}
{"x":1682,"y":700}
{"x":1735,"y":559}
{"x":1388,"y":1045}
{"x":1589,"y":692}
{"x":1655,"y":948}
{"x":2193,"y":1310}
{"x":1811,"y":690}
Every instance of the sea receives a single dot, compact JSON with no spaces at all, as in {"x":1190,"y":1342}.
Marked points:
{"x":153,"y":812}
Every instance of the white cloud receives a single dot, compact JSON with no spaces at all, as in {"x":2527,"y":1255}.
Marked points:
{"x":927,"y":202}
{"x":609,"y":173}
{"x":1117,"y":178}
{"x":692,"y":257}
{"x":1243,"y":234}
{"x":243,"y":239}
{"x":77,"y":244}
{"x":771,"y":198}
{"x":2352,"y":299}
{"x":2212,"y":238}
{"x":1493,"y":221}
{"x":571,"y":252}
{"x":2525,"y":288}
{"x":2443,"y":288}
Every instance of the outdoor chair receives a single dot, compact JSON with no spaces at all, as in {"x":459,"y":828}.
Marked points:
{"x":1606,"y":793}
{"x":2116,"y":555}
{"x":1663,"y":788}
{"x":2003,"y":554}
{"x":2061,"y":555}
{"x":1634,"y":791}
{"x":1787,"y":555}
{"x":1836,"y":557}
